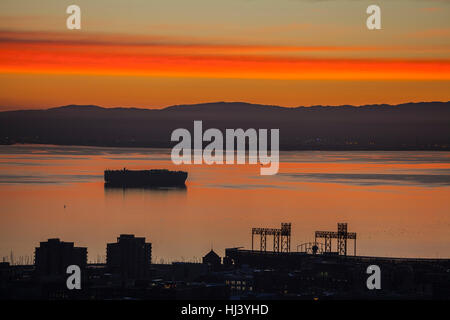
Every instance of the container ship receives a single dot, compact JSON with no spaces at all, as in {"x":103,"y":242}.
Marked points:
{"x":145,"y":178}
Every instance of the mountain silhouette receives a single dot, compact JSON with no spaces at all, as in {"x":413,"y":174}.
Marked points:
{"x":409,"y":126}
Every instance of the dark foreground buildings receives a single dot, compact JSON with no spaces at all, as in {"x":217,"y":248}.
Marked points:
{"x":300,"y":275}
{"x":241,"y":274}
{"x":53,"y":257}
{"x":212,"y":259}
{"x":130,"y":257}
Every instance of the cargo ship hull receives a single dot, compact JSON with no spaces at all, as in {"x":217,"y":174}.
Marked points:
{"x":145,"y":178}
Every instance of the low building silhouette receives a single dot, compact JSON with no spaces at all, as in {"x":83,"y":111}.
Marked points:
{"x":245,"y":274}
{"x":130,"y":256}
{"x":212,"y":259}
{"x":5,"y":277}
{"x":53,"y":257}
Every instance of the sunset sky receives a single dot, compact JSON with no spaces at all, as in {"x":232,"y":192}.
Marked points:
{"x":287,"y":52}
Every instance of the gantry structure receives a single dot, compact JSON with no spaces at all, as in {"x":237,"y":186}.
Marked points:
{"x":281,"y":238}
{"x":341,"y":235}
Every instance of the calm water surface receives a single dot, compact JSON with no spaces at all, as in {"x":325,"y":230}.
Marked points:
{"x":397,"y":202}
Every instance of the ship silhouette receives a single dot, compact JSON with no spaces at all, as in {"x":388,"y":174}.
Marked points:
{"x":153,"y":178}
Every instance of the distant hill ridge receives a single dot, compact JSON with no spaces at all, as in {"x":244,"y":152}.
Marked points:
{"x":407,"y":126}
{"x":224,"y":105}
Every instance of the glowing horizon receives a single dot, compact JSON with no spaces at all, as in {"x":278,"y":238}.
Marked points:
{"x":278,"y":61}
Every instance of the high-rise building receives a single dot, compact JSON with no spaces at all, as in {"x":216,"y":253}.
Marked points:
{"x":131,"y":257}
{"x":54,"y":256}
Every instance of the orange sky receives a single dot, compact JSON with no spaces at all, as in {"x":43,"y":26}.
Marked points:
{"x":117,"y":56}
{"x":269,"y":61}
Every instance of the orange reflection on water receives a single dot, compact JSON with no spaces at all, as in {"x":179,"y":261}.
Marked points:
{"x":392,"y":215}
